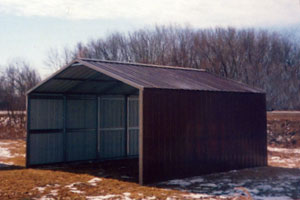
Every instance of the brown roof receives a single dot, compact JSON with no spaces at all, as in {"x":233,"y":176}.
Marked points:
{"x":166,"y":77}
{"x":146,"y":76}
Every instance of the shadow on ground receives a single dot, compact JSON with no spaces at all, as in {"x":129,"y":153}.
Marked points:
{"x":123,"y":170}
{"x":10,"y":167}
{"x":261,"y":182}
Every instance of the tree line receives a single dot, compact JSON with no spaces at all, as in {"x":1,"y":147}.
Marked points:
{"x":264,"y":59}
{"x":17,"y":77}
{"x":260,"y":58}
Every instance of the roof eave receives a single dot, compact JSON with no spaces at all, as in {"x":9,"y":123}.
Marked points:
{"x":52,"y":75}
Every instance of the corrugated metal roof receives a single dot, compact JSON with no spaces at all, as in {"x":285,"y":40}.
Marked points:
{"x":144,"y":76}
{"x":155,"y":76}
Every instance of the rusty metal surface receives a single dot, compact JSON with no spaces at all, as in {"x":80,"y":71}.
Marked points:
{"x":188,"y":133}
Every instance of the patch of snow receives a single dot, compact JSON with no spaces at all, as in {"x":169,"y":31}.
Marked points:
{"x":208,"y":185}
{"x":19,"y":155}
{"x":292,"y":162}
{"x":255,"y":191}
{"x":196,"y":180}
{"x":5,"y":153}
{"x":283,"y":150}
{"x":273,"y":198}
{"x":109,"y":196}
{"x":40,"y":189}
{"x":181,"y":182}
{"x":54,"y":192}
{"x":73,"y":189}
{"x":288,"y":177}
{"x":196,"y":196}
{"x":127,"y":195}
{"x":151,"y":198}
{"x":6,"y":164}
{"x":94,"y":181}
{"x":46,"y":198}
{"x":171,"y":198}
{"x":7,"y":143}
{"x":264,"y":187}
{"x":271,"y":187}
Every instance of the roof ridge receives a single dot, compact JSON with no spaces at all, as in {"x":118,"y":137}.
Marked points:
{"x":142,"y":64}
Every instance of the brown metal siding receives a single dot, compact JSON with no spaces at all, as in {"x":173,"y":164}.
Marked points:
{"x":188,"y":133}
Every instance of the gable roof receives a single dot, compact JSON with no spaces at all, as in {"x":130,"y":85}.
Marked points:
{"x":156,"y":76}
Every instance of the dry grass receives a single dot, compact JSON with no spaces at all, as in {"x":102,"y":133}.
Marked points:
{"x":12,"y":127}
{"x":117,"y":178}
{"x":284,"y":115}
{"x":23,"y":183}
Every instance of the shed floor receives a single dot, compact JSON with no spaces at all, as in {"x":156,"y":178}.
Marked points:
{"x":124,"y":169}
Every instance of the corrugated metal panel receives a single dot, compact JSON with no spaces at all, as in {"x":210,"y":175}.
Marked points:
{"x":133,"y":112}
{"x":112,"y":112}
{"x":46,"y":148}
{"x":188,"y":133}
{"x":112,"y":143}
{"x":79,"y":72}
{"x":81,"y":113}
{"x":112,"y":127}
{"x":81,"y":145}
{"x":46,"y":123}
{"x":81,"y":128}
{"x":150,"y":76}
{"x":133,"y":142}
{"x":133,"y":126}
{"x":57,"y":86}
{"x":46,"y":114}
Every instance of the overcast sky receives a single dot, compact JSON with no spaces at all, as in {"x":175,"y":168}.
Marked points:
{"x":29,"y":28}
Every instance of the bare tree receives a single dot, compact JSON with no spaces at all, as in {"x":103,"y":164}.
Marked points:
{"x":56,"y":59}
{"x":17,"y":78}
{"x":260,"y":58}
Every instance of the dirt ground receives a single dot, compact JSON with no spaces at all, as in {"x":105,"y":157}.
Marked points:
{"x":117,"y":179}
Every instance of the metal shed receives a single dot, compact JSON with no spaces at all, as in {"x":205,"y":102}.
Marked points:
{"x":178,"y":121}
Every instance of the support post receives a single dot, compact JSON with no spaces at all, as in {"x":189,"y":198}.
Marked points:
{"x":28,"y":130}
{"x":141,"y":94}
{"x":98,"y":126}
{"x":126,"y":124}
{"x":64,"y":127}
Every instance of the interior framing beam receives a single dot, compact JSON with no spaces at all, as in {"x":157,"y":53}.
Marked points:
{"x":126,"y":124}
{"x":85,"y":80}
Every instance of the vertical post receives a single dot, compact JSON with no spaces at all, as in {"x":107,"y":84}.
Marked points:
{"x":28,"y":104}
{"x":141,"y":94}
{"x":126,"y":124}
{"x":97,"y":126}
{"x":64,"y":127}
